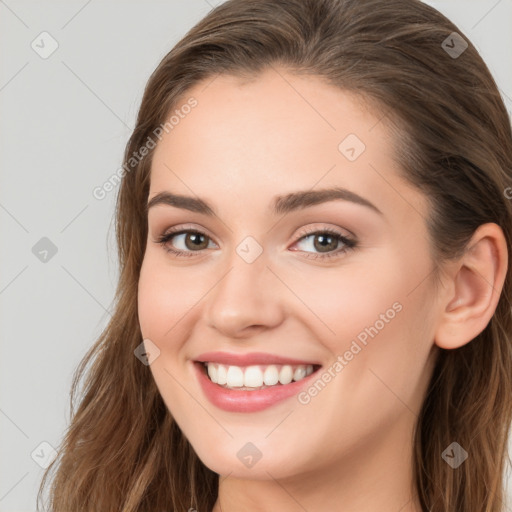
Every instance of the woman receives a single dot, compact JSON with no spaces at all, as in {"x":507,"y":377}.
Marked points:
{"x":314,"y":304}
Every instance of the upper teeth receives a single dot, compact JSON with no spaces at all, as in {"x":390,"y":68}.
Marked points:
{"x":256,"y":376}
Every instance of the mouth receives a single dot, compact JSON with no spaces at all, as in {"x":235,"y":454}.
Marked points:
{"x":255,"y":383}
{"x":256,"y":377}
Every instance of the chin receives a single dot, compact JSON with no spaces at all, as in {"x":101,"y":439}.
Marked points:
{"x":247,"y":460}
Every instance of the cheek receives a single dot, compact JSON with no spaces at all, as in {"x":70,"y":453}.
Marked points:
{"x":388,"y":341}
{"x":166,"y":296}
{"x":378,"y":317}
{"x":165,"y":300}
{"x":347,"y":300}
{"x":154,"y":307}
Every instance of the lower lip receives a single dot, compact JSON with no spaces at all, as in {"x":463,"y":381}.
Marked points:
{"x":232,"y":400}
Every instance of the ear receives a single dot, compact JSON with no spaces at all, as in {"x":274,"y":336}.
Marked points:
{"x":475,"y":282}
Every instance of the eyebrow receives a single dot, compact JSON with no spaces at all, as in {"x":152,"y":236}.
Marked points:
{"x":280,"y":205}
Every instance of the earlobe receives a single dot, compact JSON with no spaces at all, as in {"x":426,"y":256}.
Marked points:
{"x":476,"y":284}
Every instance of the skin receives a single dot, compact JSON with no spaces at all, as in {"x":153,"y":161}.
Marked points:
{"x":351,"y":445}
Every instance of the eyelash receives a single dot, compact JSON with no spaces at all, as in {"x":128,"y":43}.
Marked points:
{"x":349,"y":243}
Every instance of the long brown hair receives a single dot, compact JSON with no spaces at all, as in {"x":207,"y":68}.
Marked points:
{"x":123,"y":451}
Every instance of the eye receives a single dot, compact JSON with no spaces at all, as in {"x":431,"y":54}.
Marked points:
{"x":326,"y":242}
{"x":191,"y":241}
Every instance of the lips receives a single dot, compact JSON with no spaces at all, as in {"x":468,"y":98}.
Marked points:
{"x":251,"y":382}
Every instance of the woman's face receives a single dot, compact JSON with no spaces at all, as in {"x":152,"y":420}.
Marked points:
{"x":264,"y":280}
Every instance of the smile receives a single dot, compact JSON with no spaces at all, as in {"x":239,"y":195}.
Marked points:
{"x":256,"y":376}
{"x":251,"y":382}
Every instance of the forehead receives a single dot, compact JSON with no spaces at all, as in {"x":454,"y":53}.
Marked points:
{"x":273,"y":134}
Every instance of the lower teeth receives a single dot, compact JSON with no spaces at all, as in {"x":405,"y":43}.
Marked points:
{"x":246,"y":388}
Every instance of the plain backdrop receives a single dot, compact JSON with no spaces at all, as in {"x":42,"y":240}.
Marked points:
{"x":65,"y":119}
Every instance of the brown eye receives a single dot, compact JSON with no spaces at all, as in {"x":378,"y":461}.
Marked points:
{"x":194,"y":240}
{"x":325,"y":243}
{"x":184,"y":242}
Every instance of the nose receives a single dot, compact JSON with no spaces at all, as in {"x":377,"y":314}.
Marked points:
{"x":248,"y":297}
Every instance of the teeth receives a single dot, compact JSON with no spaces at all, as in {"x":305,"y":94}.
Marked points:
{"x":235,"y":377}
{"x":286,"y":374}
{"x":256,"y":376}
{"x":271,"y":375}
{"x":299,"y":373}
{"x":253,"y":377}
{"x":222,"y":374}
{"x":212,"y":373}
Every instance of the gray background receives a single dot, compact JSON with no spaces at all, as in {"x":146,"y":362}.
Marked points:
{"x":65,"y":121}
